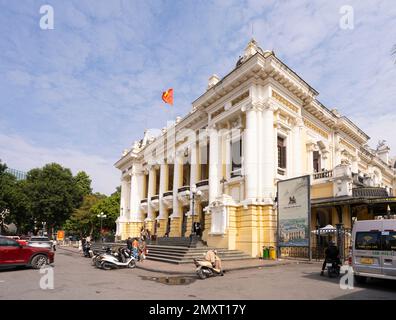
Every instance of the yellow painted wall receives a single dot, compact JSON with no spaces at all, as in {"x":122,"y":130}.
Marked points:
{"x":323,"y":190}
{"x":175,"y":227}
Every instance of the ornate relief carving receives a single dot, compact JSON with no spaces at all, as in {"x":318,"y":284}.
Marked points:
{"x":313,"y":127}
{"x":285,"y":102}
{"x":238,"y":99}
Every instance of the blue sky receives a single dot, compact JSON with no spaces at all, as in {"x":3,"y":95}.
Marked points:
{"x":83,"y":92}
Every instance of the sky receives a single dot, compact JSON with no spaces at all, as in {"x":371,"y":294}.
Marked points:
{"x":82,"y":92}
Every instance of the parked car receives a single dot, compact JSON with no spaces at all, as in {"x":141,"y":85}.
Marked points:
{"x":374,"y":249}
{"x":40,"y":242}
{"x":18,"y":239}
{"x":14,"y":254}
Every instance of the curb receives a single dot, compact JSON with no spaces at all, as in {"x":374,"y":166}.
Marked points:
{"x":225,"y":269}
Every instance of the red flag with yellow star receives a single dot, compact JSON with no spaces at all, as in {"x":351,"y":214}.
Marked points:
{"x":167,"y":96}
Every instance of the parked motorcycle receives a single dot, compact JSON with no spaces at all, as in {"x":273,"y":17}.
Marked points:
{"x":333,"y":268}
{"x":87,"y":252}
{"x":205,"y":269}
{"x":123,"y":259}
{"x":96,"y":256}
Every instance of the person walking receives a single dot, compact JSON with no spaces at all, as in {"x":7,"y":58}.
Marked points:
{"x":129,"y":245}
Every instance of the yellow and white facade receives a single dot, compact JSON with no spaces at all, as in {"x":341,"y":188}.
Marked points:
{"x":258,"y":125}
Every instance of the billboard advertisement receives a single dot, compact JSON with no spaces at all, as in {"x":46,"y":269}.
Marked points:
{"x":294,"y":211}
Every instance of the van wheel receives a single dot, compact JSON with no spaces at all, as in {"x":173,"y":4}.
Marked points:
{"x":360,"y":279}
{"x":39,"y":261}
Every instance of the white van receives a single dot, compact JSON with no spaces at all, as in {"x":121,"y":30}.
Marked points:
{"x":374,"y":249}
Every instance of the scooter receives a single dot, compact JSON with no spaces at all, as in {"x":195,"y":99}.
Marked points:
{"x":96,"y":256}
{"x":124,"y":260}
{"x":87,"y":250}
{"x":333,"y":268}
{"x":205,"y":269}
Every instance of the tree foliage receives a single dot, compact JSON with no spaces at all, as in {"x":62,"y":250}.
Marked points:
{"x":84,"y":220}
{"x":83,"y":183}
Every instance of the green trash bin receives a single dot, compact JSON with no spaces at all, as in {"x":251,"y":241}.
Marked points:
{"x":265,"y":253}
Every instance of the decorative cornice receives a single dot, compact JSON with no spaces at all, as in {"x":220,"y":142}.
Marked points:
{"x":315,"y":128}
{"x":284,"y":101}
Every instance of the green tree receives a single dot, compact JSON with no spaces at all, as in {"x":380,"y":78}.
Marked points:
{"x":83,"y":182}
{"x":110,"y":206}
{"x":53,"y":194}
{"x":7,"y":183}
{"x":82,"y":221}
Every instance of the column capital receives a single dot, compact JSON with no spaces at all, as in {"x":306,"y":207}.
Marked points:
{"x":298,"y":123}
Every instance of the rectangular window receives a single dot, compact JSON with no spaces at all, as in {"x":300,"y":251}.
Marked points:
{"x":316,"y":161}
{"x":186,"y":173}
{"x":370,"y":240}
{"x":170,"y":176}
{"x":281,"y":153}
{"x":204,"y":161}
{"x":146,"y":185}
{"x":390,"y":241}
{"x":157,"y":181}
{"x":236,"y":158}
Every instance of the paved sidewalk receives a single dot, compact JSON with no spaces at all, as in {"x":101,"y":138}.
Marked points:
{"x":189,"y":268}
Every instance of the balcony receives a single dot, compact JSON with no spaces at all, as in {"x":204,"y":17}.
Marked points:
{"x":203,"y":186}
{"x":167,"y":193}
{"x":202,"y":183}
{"x":183,"y":189}
{"x":281,"y":171}
{"x":154,"y":202}
{"x":167,"y":199}
{"x":143,"y":205}
{"x":325,"y":174}
{"x":183,"y":194}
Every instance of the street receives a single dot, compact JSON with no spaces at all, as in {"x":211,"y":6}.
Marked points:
{"x":75,"y":278}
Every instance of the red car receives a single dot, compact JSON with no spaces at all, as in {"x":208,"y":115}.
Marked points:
{"x":13,"y":253}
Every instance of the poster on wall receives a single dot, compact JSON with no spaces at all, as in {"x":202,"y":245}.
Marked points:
{"x":294,"y":211}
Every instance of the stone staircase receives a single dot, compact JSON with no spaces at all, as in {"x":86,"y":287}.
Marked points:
{"x":191,"y":242}
{"x":180,"y":254}
{"x":178,"y":250}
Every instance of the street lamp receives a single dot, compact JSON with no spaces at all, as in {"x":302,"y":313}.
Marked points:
{"x":101,"y":216}
{"x":192,"y":194}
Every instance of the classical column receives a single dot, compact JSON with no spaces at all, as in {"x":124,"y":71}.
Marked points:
{"x":214,"y":174}
{"x":310,"y":149}
{"x":251,"y":154}
{"x":268,"y":164}
{"x":162,"y":187}
{"x":194,"y":164}
{"x":297,"y":147}
{"x":151,"y":187}
{"x":123,"y":206}
{"x":176,"y":185}
{"x":261,"y":152}
{"x":135,"y":196}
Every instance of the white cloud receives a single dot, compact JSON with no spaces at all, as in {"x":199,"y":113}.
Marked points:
{"x":23,"y":155}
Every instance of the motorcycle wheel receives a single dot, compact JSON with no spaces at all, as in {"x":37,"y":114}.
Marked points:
{"x":98,"y":264}
{"x":201,"y":274}
{"x":106,"y":266}
{"x":132,"y":264}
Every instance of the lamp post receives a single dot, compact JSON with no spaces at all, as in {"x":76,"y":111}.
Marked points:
{"x":192,"y":194}
{"x":101,"y":216}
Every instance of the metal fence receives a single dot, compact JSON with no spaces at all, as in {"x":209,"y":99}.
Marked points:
{"x":320,"y":240}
